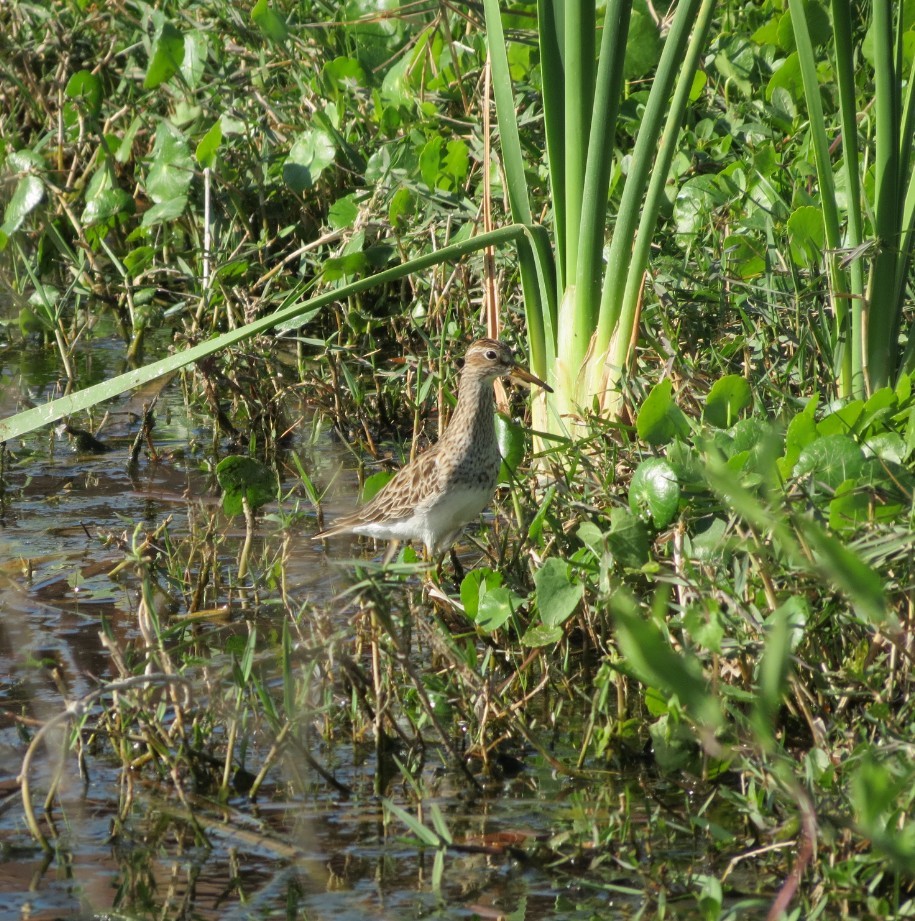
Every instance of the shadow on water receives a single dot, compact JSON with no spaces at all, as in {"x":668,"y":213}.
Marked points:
{"x":317,"y":842}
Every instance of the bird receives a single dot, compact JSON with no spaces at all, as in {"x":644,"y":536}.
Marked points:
{"x":438,"y":493}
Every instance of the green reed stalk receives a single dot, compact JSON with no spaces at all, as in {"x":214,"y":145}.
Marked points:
{"x":873,"y":323}
{"x":581,"y":104}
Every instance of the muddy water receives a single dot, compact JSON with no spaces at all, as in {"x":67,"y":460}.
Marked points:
{"x":126,"y":846}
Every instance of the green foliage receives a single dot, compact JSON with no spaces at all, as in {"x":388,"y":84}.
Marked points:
{"x":243,"y":479}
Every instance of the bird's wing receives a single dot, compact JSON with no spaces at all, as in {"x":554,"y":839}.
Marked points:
{"x":398,"y":498}
{"x":410,"y":487}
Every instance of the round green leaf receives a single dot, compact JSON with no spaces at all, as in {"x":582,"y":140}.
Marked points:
{"x":557,"y":593}
{"x":476,"y":583}
{"x":85,"y":87}
{"x":374,"y":484}
{"x":343,"y":212}
{"x":660,"y":419}
{"x":655,"y":491}
{"x":807,"y":235}
{"x":245,"y":478}
{"x":495,"y":607}
{"x":727,"y":398}
{"x":312,"y":152}
{"x":166,"y":57}
{"x":831,"y":460}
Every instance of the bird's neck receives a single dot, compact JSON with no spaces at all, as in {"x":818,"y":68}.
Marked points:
{"x":474,"y":412}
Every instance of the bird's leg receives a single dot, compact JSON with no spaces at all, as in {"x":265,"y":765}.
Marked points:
{"x":391,"y":552}
{"x":458,"y":568}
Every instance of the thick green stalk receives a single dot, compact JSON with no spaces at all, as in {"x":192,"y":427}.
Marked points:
{"x":578,"y":37}
{"x":541,"y":315}
{"x":552,"y":69}
{"x":828,"y":201}
{"x":853,"y":357}
{"x":622,"y":337}
{"x":608,"y":90}
{"x":907,"y":240}
{"x":881,"y":310}
{"x":619,"y":262}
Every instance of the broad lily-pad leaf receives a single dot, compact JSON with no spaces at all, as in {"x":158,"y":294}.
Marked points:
{"x":477,"y":582}
{"x":193,"y":65}
{"x":628,"y":539}
{"x":495,"y":607}
{"x":374,"y":484}
{"x":643,"y":44}
{"x":27,"y":196}
{"x":269,"y":21}
{"x":843,"y":420}
{"x":655,"y":492}
{"x":166,"y":56}
{"x":242,"y":478}
{"x":104,"y":199}
{"x":343,"y":212}
{"x":205,"y":154}
{"x":660,"y":419}
{"x":831,"y":460}
{"x":802,"y":430}
{"x":85,"y":87}
{"x":726,"y":400}
{"x":807,"y":235}
{"x":311,"y":153}
{"x":558,"y":593}
{"x":172,"y":168}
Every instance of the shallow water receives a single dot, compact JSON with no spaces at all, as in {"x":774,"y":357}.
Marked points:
{"x":127,"y":846}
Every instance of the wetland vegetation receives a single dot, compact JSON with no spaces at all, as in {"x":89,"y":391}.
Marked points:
{"x":243,"y":247}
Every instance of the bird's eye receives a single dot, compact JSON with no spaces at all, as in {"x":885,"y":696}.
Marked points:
{"x":492,"y":354}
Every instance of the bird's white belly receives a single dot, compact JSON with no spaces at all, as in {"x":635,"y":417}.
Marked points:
{"x":434,"y":520}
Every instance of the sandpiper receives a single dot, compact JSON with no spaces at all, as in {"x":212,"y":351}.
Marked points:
{"x":442,"y":490}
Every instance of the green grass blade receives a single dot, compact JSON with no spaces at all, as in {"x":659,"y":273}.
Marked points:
{"x":509,"y":141}
{"x":531,"y":265}
{"x":883,"y":313}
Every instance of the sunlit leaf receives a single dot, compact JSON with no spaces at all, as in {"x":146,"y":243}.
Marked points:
{"x":205,"y":154}
{"x":26,"y":197}
{"x":85,"y":87}
{"x":243,"y":478}
{"x":311,"y":153}
{"x":660,"y":419}
{"x":269,"y":22}
{"x":166,"y":57}
{"x":655,"y":492}
{"x":558,"y":594}
{"x":729,"y":396}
